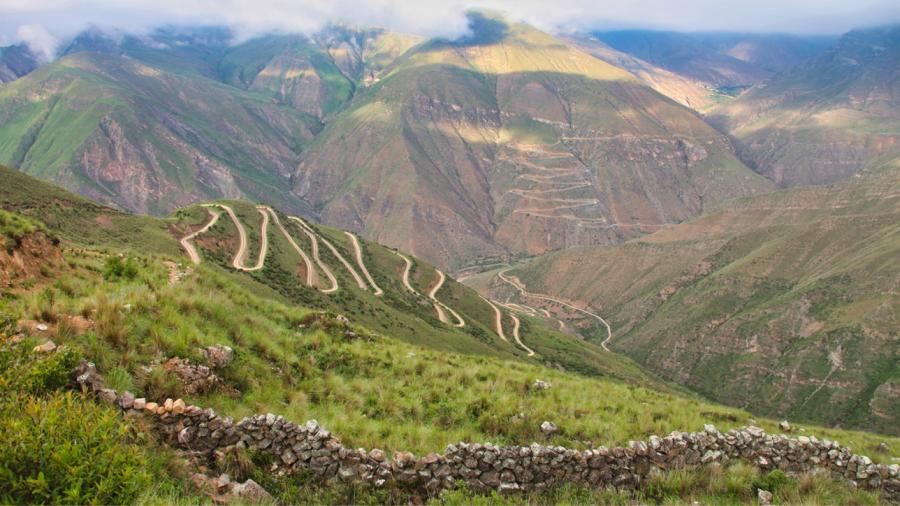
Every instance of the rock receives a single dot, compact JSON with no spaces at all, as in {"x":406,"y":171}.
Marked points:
{"x":139,"y":403}
{"x":377,"y":455}
{"x":541,"y":385}
{"x":107,"y":395}
{"x":785,"y":426}
{"x":42,"y":327}
{"x":343,"y":320}
{"x":126,"y":400}
{"x":48,"y":347}
{"x":883,"y":448}
{"x":167,"y":405}
{"x":151,"y":407}
{"x":222,"y":482}
{"x":178,"y":407}
{"x":549,"y":428}
{"x":764,"y":496}
{"x":218,"y":356}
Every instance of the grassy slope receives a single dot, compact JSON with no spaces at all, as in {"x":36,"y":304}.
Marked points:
{"x":768,"y":300}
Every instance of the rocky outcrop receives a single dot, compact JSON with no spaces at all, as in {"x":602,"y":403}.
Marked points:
{"x":312,"y":448}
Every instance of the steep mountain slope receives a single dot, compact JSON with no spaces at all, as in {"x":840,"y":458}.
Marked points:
{"x":15,"y":62}
{"x":784,"y":303}
{"x":685,"y":90}
{"x":126,"y":133}
{"x":721,"y":60}
{"x":513,"y":142}
{"x":825,"y":119}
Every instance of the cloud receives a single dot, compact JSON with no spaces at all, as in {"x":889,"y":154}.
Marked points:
{"x":38,"y":39}
{"x":36,"y":20}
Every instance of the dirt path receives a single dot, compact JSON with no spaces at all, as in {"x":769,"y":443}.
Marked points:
{"x":498,"y":319}
{"x":526,"y":293}
{"x":357,"y":251}
{"x":518,"y":339}
{"x":440,"y":306}
{"x":359,"y":280}
{"x":241,"y":255}
{"x":314,"y":240}
{"x":406,"y":270}
{"x":312,"y":277}
{"x":186,"y":240}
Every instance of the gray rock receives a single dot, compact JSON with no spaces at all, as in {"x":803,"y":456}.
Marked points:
{"x":549,"y":428}
{"x":764,"y":497}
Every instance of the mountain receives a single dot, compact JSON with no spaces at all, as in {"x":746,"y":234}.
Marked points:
{"x":827,"y":118}
{"x":784,"y":304}
{"x":686,"y":91}
{"x":512,"y":142}
{"x":722,"y":60}
{"x":16,"y":61}
{"x":171,"y":353}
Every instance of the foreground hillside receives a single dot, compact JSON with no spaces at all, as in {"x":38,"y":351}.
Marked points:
{"x":785,"y":303}
{"x":147,"y":331}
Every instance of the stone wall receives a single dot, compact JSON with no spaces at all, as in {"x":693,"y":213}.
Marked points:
{"x":485,"y":467}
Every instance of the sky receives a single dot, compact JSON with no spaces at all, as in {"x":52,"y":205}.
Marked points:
{"x":44,"y":23}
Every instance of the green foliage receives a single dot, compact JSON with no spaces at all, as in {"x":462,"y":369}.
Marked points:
{"x":772,"y":481}
{"x":23,"y":372}
{"x":116,"y":269}
{"x":14,"y":227}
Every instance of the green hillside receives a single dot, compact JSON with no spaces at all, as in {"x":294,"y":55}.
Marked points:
{"x":291,"y":359}
{"x":782,"y":303}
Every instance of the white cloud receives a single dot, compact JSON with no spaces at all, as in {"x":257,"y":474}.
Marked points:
{"x":38,"y":39}
{"x":438,"y":17}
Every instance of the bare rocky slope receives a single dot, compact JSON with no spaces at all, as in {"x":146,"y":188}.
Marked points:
{"x":784,"y":304}
{"x":510,"y":143}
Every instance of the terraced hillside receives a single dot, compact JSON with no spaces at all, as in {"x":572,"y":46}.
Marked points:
{"x":785,"y":303}
{"x":513,"y":142}
{"x":825,"y":119}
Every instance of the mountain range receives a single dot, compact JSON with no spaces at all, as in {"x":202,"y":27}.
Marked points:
{"x":710,"y":211}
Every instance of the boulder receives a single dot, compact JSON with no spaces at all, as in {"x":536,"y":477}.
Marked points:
{"x":764,"y":496}
{"x":218,"y":356}
{"x":48,"y":347}
{"x":785,"y":426}
{"x":541,"y":385}
{"x":549,"y":428}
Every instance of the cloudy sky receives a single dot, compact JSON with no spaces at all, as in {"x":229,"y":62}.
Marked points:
{"x":43,"y":22}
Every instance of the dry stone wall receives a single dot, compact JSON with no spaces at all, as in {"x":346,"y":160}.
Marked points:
{"x":310,"y":447}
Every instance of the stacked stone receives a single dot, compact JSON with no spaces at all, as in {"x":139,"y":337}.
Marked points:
{"x":485,"y":467}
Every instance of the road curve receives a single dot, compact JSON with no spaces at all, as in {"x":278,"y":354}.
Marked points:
{"x":186,"y":240}
{"x":406,"y":270}
{"x":240,"y":256}
{"x":498,"y":319}
{"x":312,"y":278}
{"x":359,"y":280}
{"x":357,"y":251}
{"x":314,"y":240}
{"x":440,"y":306}
{"x":526,"y":293}
{"x":518,"y":339}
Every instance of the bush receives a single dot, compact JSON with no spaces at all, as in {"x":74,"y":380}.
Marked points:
{"x":116,"y":269}
{"x":772,"y":481}
{"x":51,"y":455}
{"x":22,"y":372}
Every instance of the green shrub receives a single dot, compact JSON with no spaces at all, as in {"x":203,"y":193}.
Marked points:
{"x":66,"y":449}
{"x":772,"y":481}
{"x":117,"y":269}
{"x":23,"y":372}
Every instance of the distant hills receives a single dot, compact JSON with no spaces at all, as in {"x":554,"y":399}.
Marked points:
{"x":827,"y":118}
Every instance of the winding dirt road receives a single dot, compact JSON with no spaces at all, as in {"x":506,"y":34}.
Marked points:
{"x":518,"y":339}
{"x":440,"y":306}
{"x":241,"y":255}
{"x":357,"y":251}
{"x":313,"y":239}
{"x":312,"y":278}
{"x":406,"y":270}
{"x":526,"y":293}
{"x":498,"y":319}
{"x":359,"y":280}
{"x":186,"y":240}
